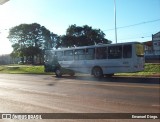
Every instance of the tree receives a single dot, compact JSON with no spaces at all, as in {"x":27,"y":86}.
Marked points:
{"x":53,"y":42}
{"x":29,"y":40}
{"x":82,"y":36}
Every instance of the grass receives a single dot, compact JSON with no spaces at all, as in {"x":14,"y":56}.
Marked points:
{"x":22,"y":69}
{"x":150,"y":70}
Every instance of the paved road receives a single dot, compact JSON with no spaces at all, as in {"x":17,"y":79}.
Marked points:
{"x":81,"y":94}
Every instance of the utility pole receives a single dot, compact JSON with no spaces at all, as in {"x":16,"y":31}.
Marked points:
{"x":115,"y":20}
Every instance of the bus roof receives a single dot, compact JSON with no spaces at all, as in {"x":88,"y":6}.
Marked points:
{"x":98,"y":45}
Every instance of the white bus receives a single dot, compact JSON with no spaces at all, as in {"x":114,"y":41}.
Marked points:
{"x":98,"y":60}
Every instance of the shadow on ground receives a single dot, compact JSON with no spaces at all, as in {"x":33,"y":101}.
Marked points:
{"x":144,"y":80}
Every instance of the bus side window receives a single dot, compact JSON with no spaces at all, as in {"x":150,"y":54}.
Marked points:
{"x":90,"y":53}
{"x":127,"y":51}
{"x":68,"y":55}
{"x":101,"y":53}
{"x":59,"y":55}
{"x":79,"y":54}
{"x":114,"y":52}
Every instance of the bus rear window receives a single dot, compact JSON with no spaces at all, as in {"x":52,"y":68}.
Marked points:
{"x":139,"y":50}
{"x":127,"y":51}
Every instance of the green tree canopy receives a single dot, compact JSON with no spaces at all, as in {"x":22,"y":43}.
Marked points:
{"x":82,"y":36}
{"x":30,"y":39}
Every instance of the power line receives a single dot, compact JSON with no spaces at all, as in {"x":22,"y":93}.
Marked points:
{"x":135,"y":38}
{"x":133,"y":25}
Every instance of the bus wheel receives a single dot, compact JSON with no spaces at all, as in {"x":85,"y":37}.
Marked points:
{"x":97,"y":72}
{"x":58,"y":72}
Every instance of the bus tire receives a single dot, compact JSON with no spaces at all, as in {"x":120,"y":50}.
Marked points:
{"x":97,"y":72}
{"x":58,"y":72}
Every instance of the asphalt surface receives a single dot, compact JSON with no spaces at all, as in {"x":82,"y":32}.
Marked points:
{"x":80,"y":94}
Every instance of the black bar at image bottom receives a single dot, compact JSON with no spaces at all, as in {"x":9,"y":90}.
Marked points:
{"x":20,"y":116}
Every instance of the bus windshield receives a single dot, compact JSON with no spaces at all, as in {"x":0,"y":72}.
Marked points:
{"x":139,"y":50}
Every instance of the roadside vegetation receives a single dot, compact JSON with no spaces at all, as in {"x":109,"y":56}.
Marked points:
{"x":21,"y":69}
{"x":150,"y":70}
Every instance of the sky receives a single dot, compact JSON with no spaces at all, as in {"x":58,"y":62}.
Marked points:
{"x":139,"y":19}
